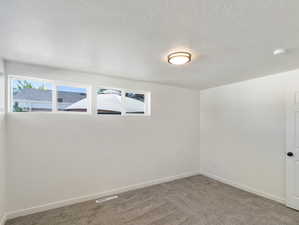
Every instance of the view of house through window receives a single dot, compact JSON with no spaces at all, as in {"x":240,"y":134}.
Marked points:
{"x":71,"y":99}
{"x":109,"y":101}
{"x":134,"y":103}
{"x":31,"y":96}
{"x":36,"y":95}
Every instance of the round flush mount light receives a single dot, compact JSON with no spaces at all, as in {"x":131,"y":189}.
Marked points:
{"x":279,"y":51}
{"x":179,"y":58}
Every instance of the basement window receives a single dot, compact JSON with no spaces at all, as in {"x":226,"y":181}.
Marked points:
{"x":31,"y":95}
{"x":134,"y":103}
{"x":109,"y":102}
{"x":37,"y":95}
{"x":122,"y":102}
{"x":71,"y":99}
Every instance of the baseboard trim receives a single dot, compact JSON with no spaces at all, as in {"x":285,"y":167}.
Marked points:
{"x":58,"y":204}
{"x":3,"y":219}
{"x":244,"y":187}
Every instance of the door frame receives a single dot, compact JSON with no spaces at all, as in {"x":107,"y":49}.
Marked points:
{"x":292,"y":97}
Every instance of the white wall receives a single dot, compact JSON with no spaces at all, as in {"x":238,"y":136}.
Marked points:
{"x":242,"y":131}
{"x":2,"y":146}
{"x":2,"y":167}
{"x":55,"y":157}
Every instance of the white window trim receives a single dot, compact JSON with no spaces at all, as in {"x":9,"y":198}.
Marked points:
{"x":123,"y":97}
{"x":54,"y":94}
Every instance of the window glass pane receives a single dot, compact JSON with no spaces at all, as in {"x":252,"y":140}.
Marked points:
{"x":134,"y":103}
{"x":109,"y":101}
{"x":71,"y":99}
{"x":31,"y":96}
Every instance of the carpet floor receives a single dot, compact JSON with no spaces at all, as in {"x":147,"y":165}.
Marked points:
{"x":196,"y":200}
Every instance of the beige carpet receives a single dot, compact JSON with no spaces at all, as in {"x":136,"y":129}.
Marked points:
{"x":195,"y":200}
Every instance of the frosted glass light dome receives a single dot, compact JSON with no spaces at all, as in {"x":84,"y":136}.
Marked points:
{"x":179,"y":58}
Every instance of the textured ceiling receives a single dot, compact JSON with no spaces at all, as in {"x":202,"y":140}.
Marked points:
{"x":231,"y":40}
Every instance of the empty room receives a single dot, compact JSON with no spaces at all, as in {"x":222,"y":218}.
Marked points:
{"x":160,"y":112}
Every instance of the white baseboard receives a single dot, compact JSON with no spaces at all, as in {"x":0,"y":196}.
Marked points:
{"x":244,"y":187}
{"x":58,"y":204}
{"x":3,"y":219}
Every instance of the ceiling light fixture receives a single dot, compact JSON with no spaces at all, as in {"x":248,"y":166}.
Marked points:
{"x":179,"y":58}
{"x":279,"y":51}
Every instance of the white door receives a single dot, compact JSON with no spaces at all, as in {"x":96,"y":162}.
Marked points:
{"x":292,"y":149}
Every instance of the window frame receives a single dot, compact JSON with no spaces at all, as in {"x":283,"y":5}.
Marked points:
{"x":54,"y":84}
{"x":147,"y":101}
{"x":91,"y":96}
{"x":71,"y":84}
